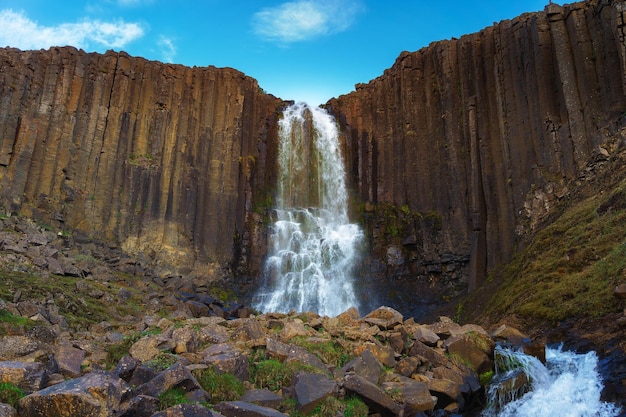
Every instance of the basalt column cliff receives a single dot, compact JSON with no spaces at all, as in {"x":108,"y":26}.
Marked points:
{"x":159,"y":159}
{"x":465,"y":144}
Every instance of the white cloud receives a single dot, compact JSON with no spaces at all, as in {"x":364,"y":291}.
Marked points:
{"x":19,"y":31}
{"x":168,"y":50}
{"x":304,"y":19}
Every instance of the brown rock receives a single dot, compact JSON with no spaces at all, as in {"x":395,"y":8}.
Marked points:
{"x":366,"y":365}
{"x":70,"y":360}
{"x":311,"y":389}
{"x":95,"y":394}
{"x":244,"y":409}
{"x":447,"y":392}
{"x":620,"y":291}
{"x":7,"y":411}
{"x":414,"y":395}
{"x":186,"y":410}
{"x":374,"y":397}
{"x":407,"y":366}
{"x":12,"y":347}
{"x":231,"y":361}
{"x":384,"y":317}
{"x":150,"y":346}
{"x":262,"y":397}
{"x":28,"y":376}
{"x":175,"y":376}
{"x":186,"y":340}
{"x":473,"y":348}
{"x":426,"y":336}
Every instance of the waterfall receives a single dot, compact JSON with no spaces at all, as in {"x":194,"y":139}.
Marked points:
{"x":569,"y":385}
{"x":313,"y":246}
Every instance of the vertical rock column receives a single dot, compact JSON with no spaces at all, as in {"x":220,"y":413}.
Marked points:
{"x":162,"y":159}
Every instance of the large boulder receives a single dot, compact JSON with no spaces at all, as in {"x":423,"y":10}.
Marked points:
{"x":176,"y":376}
{"x":312,"y":389}
{"x":28,"y":376}
{"x":415,"y":395}
{"x":384,"y":317}
{"x":375,"y":398}
{"x":473,"y":348}
{"x":97,"y":394}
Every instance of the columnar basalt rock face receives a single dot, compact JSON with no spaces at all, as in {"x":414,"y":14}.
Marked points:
{"x":162,"y":159}
{"x":486,"y":130}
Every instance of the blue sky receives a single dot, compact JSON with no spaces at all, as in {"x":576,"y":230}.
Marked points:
{"x":309,"y":50}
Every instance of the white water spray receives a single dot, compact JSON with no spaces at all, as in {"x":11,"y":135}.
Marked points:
{"x":313,"y":246}
{"x":569,"y":385}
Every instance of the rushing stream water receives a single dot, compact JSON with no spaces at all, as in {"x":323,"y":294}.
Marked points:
{"x":313,"y":245}
{"x":569,"y":385}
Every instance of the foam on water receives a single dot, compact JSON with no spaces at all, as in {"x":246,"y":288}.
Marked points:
{"x":568,"y":386}
{"x":312,"y":245}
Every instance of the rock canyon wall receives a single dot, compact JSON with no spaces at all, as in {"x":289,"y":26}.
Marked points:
{"x":454,"y":152}
{"x":161,"y":160}
{"x":469,"y":142}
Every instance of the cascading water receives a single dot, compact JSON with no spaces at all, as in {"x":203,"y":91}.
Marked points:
{"x":313,"y":246}
{"x":569,"y":385}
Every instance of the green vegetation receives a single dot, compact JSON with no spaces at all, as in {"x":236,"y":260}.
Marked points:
{"x":79,"y":309}
{"x":485,"y":378}
{"x":162,"y":361}
{"x":329,"y":352}
{"x":274,"y":374}
{"x":12,"y":324}
{"x":117,"y":351}
{"x":350,"y":406}
{"x":222,"y":386}
{"x":10,"y":394}
{"x":143,"y":160}
{"x":571,"y":267}
{"x":171,"y":398}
